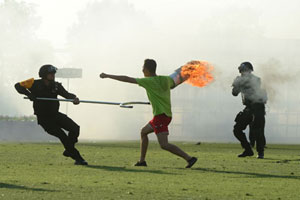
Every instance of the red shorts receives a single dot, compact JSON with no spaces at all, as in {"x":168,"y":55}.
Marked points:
{"x":160,"y":123}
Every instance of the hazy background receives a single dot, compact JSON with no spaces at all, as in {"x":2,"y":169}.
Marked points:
{"x":115,"y":36}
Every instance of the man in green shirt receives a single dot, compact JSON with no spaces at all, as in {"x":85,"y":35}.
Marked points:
{"x":158,"y":91}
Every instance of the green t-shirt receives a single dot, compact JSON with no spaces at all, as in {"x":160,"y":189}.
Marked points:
{"x":158,"y":91}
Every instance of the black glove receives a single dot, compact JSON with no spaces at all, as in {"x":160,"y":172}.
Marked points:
{"x":31,"y":97}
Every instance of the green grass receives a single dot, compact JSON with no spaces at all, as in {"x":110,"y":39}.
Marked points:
{"x":39,"y":171}
{"x":17,"y":118}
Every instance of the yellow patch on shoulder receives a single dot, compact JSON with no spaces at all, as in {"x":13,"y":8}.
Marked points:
{"x":27,"y":83}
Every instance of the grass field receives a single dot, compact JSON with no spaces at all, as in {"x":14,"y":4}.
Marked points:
{"x":39,"y":171}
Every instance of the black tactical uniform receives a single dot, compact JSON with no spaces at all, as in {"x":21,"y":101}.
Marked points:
{"x":254,"y":98}
{"x":47,"y":112}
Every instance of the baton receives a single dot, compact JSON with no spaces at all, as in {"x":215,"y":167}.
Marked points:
{"x":122,"y":105}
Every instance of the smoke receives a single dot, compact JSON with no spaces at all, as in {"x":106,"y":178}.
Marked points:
{"x":110,"y":36}
{"x":116,"y":36}
{"x":20,"y":52}
{"x":276,"y":77}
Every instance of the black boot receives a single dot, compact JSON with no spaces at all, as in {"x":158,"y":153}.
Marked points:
{"x":260,"y":155}
{"x":246,"y":153}
{"x":144,"y":164}
{"x":66,"y":154}
{"x":80,"y":162}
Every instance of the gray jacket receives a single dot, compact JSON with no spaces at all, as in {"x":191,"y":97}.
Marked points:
{"x":249,"y":86}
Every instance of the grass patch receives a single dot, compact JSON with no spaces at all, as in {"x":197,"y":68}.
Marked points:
{"x":39,"y":171}
{"x":18,"y":118}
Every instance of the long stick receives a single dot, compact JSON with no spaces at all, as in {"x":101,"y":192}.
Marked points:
{"x":122,"y":105}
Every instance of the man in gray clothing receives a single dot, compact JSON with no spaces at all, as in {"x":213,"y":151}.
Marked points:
{"x":254,"y":98}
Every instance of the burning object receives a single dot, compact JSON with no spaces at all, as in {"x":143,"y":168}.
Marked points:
{"x":196,"y":73}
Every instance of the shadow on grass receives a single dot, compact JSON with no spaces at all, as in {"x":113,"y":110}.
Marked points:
{"x":287,"y":161}
{"x":270,"y":159}
{"x":124,"y":169}
{"x":284,"y":148}
{"x":110,"y":145}
{"x":21,"y":187}
{"x":256,"y":175}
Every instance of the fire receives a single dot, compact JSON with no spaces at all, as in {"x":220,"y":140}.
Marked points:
{"x":198,"y":73}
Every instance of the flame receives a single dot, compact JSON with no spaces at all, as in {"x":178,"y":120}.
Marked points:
{"x":198,"y":73}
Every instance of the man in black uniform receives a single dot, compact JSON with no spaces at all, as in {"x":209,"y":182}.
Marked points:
{"x":254,"y":98}
{"x":47,"y":112}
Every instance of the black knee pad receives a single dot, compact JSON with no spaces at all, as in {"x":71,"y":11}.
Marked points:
{"x":237,"y":132}
{"x":244,"y":117}
{"x":74,"y":134}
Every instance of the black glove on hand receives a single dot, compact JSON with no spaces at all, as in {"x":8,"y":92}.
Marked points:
{"x":31,"y":97}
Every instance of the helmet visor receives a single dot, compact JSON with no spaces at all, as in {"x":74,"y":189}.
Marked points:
{"x":52,"y":69}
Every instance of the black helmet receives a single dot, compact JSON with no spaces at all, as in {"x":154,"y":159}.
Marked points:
{"x":245,"y":66}
{"x":47,"y":69}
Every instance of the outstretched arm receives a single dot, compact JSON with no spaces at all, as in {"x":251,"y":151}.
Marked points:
{"x":119,"y":78}
{"x":64,"y":93}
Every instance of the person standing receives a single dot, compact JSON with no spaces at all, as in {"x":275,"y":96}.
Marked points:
{"x":254,"y":98}
{"x":47,"y":112}
{"x":158,"y":91}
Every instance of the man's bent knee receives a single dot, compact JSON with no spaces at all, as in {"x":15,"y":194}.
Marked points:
{"x":236,"y":132}
{"x":163,"y":140}
{"x":164,"y":146}
{"x":74,"y":134}
{"x":76,"y":131}
{"x":146,"y":130}
{"x":143,"y":132}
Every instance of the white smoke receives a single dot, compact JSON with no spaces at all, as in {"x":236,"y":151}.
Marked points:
{"x":276,"y":77}
{"x":21,"y":53}
{"x":116,"y":36}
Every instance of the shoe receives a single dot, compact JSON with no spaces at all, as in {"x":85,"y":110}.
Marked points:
{"x":141,"y":164}
{"x":246,"y":153}
{"x":260,"y":155}
{"x":80,"y":162}
{"x":191,"y":162}
{"x":66,"y":154}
